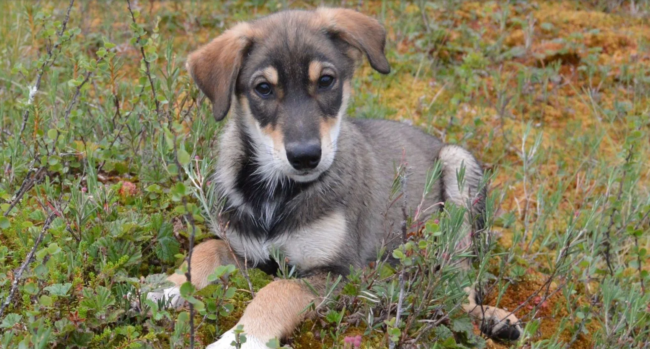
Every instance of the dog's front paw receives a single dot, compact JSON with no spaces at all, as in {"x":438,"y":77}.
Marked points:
{"x":168,"y":298}
{"x":227,"y":339}
{"x":495,"y":323}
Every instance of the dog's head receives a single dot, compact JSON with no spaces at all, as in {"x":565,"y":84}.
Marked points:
{"x":287,"y":77}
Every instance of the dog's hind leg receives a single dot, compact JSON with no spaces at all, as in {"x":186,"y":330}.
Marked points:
{"x":206,"y":257}
{"x":275,"y":312}
{"x":495,"y":322}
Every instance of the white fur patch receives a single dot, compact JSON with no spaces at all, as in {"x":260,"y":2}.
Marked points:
{"x":226,"y":173}
{"x":309,"y":247}
{"x":318,"y":244}
{"x":329,"y":142}
{"x":225,"y":342}
{"x":453,"y":159}
{"x":170,"y":296}
{"x":253,"y":250}
{"x":464,"y":194}
{"x":271,"y":159}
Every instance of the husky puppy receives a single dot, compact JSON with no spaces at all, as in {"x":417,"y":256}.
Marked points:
{"x":299,"y":176}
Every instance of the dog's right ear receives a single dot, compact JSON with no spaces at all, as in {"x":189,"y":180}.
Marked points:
{"x":215,"y":66}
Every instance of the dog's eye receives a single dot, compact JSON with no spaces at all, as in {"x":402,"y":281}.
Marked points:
{"x":325,"y":81}
{"x":264,"y":89}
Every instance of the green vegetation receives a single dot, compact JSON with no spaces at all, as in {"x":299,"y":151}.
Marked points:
{"x":106,"y":147}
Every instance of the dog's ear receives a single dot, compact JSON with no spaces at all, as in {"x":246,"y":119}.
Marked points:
{"x":215,"y":66}
{"x":363,"y":32}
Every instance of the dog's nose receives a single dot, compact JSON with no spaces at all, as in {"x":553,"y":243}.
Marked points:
{"x":303,"y":156}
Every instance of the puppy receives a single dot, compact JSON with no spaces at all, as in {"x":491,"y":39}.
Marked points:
{"x":297,"y":175}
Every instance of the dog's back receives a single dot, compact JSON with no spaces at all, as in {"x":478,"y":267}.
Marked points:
{"x":394,"y":145}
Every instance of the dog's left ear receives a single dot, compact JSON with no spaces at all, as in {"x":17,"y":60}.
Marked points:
{"x":215,"y":66}
{"x":363,"y":32}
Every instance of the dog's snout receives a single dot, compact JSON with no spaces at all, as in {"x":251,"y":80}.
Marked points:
{"x":303,"y":156}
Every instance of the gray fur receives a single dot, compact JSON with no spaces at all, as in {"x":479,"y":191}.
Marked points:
{"x":359,"y":183}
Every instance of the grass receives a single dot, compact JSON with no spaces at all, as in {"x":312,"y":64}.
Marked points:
{"x":104,"y":167}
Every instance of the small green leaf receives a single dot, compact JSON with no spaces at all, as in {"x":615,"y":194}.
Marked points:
{"x":183,"y":157}
{"x":186,"y":290}
{"x":30,"y":288}
{"x":167,"y":246}
{"x":4,"y":223}
{"x":10,"y":320}
{"x":51,"y":134}
{"x":230,"y":293}
{"x":273,"y":343}
{"x":59,"y":289}
{"x":46,"y":301}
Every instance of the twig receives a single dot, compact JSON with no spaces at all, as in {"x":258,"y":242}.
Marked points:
{"x":68,"y":110}
{"x":607,"y":241}
{"x":638,"y":256}
{"x":28,"y":260}
{"x":41,"y":71}
{"x":146,"y":63}
{"x":27,"y":185}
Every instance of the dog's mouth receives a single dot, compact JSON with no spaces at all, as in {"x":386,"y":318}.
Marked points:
{"x":305,"y":176}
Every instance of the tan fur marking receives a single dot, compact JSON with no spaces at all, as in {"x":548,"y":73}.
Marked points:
{"x":214,"y":66}
{"x":278,"y":308}
{"x":206,"y":257}
{"x":315,"y":68}
{"x":276,"y":135}
{"x":359,"y":30}
{"x":326,"y":125}
{"x":488,"y":314}
{"x":271,"y":75}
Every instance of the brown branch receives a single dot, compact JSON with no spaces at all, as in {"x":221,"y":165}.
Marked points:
{"x":607,"y":241}
{"x":146,"y":63}
{"x":27,"y":185}
{"x":638,"y":256}
{"x":48,"y":62}
{"x":68,"y":110}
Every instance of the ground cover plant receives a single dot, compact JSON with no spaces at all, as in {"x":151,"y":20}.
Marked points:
{"x":106,"y":148}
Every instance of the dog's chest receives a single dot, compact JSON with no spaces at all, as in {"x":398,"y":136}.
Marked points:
{"x":317,"y":244}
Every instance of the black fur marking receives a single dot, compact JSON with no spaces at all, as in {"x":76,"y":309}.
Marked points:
{"x":481,"y":210}
{"x":443,"y":194}
{"x":270,"y":267}
{"x":508,"y":332}
{"x":256,"y":193}
{"x":335,"y":270}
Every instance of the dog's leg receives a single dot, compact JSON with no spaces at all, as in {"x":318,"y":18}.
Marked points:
{"x":206,"y":257}
{"x":274,"y":313}
{"x":495,"y":322}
